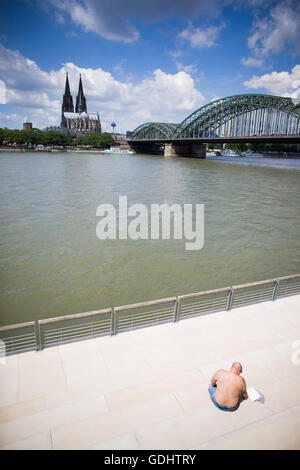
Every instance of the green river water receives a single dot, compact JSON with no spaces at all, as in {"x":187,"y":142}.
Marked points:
{"x":53,"y":264}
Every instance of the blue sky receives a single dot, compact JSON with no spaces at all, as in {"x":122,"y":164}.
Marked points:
{"x":150,"y":60}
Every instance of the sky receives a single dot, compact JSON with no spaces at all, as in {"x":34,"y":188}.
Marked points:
{"x":141,"y":61}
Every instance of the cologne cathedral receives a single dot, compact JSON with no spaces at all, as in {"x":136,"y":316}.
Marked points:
{"x":78,"y":122}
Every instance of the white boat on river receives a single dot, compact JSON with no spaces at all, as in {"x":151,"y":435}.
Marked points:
{"x":117,"y":150}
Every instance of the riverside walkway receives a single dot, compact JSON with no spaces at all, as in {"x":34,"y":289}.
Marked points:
{"x":147,"y":388}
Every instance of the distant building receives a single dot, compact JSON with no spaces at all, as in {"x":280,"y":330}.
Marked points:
{"x":27,"y":126}
{"x":78,"y":121}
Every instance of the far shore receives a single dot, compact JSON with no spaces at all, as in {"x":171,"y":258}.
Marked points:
{"x":279,"y":155}
{"x":54,"y":150}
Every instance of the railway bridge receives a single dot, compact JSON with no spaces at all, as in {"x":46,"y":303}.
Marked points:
{"x":234,"y":119}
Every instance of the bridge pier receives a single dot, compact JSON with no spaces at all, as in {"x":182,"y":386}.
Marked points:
{"x":185,"y":150}
{"x":151,"y":148}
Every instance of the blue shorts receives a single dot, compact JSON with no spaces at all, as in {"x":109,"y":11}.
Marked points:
{"x":212,"y":392}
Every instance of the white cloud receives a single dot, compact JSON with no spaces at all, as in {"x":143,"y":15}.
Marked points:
{"x":252,"y":62}
{"x":11,"y":121}
{"x":278,"y":83}
{"x":22,"y":73}
{"x":38,"y":94}
{"x":93,"y":16}
{"x":2,"y":92}
{"x":113,"y":20}
{"x":190,"y":69}
{"x":201,"y":37}
{"x":119,"y":68}
{"x":277,"y":31}
{"x":175,"y":54}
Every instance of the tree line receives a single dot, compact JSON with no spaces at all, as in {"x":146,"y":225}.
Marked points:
{"x":104,"y":140}
{"x":54,"y":138}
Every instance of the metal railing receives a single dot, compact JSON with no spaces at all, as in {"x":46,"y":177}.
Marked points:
{"x":252,"y":293}
{"x":70,"y":328}
{"x":201,"y":303}
{"x":19,"y":338}
{"x":288,"y":285}
{"x":128,"y":317}
{"x":111,"y":321}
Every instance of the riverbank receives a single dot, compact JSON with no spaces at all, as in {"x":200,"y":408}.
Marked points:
{"x":266,"y":159}
{"x":50,"y":150}
{"x":10,"y":149}
{"x":147,"y":388}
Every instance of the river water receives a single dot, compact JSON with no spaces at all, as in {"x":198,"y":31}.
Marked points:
{"x":53,"y":264}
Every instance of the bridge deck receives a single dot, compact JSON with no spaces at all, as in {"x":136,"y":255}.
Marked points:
{"x":147,"y":389}
{"x":266,"y":139}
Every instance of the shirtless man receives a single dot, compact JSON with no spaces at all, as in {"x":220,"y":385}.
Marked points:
{"x":227,"y":388}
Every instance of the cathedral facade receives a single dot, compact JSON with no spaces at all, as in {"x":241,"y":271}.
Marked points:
{"x":78,"y":121}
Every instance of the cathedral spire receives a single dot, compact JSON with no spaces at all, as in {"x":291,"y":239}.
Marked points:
{"x":80,"y":100}
{"x":67,"y":87}
{"x":67,"y":104}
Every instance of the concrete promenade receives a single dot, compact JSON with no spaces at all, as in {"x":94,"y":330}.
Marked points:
{"x":147,"y":389}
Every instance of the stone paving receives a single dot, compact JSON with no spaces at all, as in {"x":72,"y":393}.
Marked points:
{"x":147,"y":388}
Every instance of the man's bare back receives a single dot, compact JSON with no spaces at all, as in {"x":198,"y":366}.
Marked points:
{"x":230,"y":386}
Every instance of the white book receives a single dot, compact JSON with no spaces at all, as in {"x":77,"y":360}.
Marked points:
{"x":255,"y":395}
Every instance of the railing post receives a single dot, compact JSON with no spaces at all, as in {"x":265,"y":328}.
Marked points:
{"x":176,"y":310}
{"x":275,"y":290}
{"x":38,"y":341}
{"x":113,"y":322}
{"x":229,"y":299}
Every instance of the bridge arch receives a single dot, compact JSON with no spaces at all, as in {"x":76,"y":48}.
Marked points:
{"x":154,"y":130}
{"x":237,"y":115}
{"x":250,"y":114}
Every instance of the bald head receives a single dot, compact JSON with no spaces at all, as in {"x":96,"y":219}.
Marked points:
{"x":237,"y":367}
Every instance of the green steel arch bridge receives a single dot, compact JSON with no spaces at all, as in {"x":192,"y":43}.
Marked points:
{"x":238,"y":118}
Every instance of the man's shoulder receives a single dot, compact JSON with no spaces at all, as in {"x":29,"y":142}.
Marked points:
{"x":221,"y":372}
